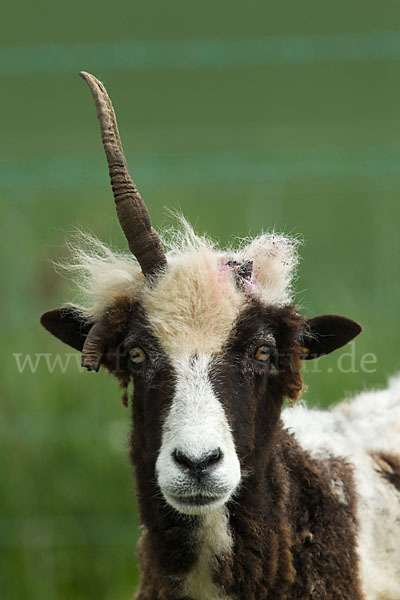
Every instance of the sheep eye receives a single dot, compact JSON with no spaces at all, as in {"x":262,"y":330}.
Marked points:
{"x":137,"y":355}
{"x":262,"y":353}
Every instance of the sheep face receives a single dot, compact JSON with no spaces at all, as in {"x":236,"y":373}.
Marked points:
{"x":201,"y":412}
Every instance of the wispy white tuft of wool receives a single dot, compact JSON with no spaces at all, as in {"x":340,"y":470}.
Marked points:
{"x":104,"y":275}
{"x":182,"y":239}
{"x":194,"y":304}
{"x":275,"y":259}
{"x":101,"y":274}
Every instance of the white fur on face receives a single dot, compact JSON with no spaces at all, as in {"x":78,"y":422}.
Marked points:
{"x":196,"y":425}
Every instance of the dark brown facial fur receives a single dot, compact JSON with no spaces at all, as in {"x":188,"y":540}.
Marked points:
{"x":168,"y":537}
{"x":242,"y":383}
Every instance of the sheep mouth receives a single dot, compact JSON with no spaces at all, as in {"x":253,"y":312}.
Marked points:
{"x":198,"y":500}
{"x":195,"y":504}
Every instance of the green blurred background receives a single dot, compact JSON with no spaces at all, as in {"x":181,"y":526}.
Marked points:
{"x":244,"y":116}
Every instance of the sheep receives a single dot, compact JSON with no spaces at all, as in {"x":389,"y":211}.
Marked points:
{"x":239,"y":498}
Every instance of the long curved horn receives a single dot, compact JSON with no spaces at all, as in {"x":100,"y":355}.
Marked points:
{"x":132,"y":212}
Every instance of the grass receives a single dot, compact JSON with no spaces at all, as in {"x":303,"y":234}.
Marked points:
{"x":311,"y":149}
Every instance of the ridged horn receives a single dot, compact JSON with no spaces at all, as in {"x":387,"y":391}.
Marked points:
{"x":143,"y":240}
{"x":93,"y":347}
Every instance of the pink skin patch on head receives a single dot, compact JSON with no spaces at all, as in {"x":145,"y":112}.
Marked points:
{"x":250,"y":287}
{"x":242,"y":273}
{"x":224,"y":273}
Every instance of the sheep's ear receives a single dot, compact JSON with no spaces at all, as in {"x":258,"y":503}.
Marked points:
{"x":66,"y":325}
{"x":327,"y":333}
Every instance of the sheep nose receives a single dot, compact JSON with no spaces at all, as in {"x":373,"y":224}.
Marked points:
{"x":199,"y":467}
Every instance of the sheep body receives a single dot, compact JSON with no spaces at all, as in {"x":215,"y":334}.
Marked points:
{"x":365,"y":431}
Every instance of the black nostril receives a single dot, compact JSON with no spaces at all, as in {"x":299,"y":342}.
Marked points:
{"x":182,"y":460}
{"x":197,"y":466}
{"x":214,"y":457}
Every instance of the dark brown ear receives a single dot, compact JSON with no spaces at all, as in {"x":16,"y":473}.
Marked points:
{"x":66,"y":325}
{"x":327,"y":333}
